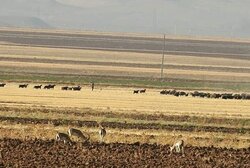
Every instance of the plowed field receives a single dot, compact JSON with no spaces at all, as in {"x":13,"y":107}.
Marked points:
{"x":39,"y":153}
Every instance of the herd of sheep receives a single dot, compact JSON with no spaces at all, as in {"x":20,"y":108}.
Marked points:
{"x":49,"y":86}
{"x":243,"y":96}
{"x":176,"y":93}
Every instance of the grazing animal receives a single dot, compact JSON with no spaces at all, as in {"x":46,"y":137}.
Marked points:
{"x":38,"y":87}
{"x":79,"y":134}
{"x":215,"y":95}
{"x":65,"y":88}
{"x":172,"y":92}
{"x":178,"y":146}
{"x":77,"y":88}
{"x":23,"y":85}
{"x":136,"y":91}
{"x":195,"y":94}
{"x":177,"y":94}
{"x":49,"y":86}
{"x":63,"y":137}
{"x":102,"y":133}
{"x":163,"y":92}
{"x":143,"y":91}
{"x":237,"y":96}
{"x":227,"y":96}
{"x":70,"y":88}
{"x":245,"y":96}
{"x":182,"y":93}
{"x":2,"y":84}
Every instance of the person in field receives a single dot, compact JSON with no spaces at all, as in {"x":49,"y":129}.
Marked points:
{"x":92,"y":86}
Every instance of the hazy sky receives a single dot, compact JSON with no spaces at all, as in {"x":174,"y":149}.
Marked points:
{"x":230,"y":18}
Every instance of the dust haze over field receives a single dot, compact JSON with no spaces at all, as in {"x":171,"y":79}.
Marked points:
{"x":196,"y":17}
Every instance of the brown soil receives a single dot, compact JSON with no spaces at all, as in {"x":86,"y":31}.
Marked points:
{"x":40,"y":153}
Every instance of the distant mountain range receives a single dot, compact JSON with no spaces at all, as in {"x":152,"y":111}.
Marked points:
{"x":193,"y":17}
{"x":23,"y":21}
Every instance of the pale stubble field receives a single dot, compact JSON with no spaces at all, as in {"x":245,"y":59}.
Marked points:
{"x":94,"y":105}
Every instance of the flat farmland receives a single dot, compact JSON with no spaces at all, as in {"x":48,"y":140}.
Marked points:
{"x":122,"y":100}
{"x":149,"y":114}
{"x":125,"y":68}
{"x":140,"y":127}
{"x":111,"y":63}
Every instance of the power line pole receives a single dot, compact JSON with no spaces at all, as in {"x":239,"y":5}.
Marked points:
{"x":163,"y":55}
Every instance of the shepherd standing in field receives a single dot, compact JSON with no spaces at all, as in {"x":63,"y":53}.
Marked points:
{"x":92,"y":85}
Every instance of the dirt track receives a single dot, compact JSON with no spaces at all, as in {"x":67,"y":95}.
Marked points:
{"x":39,"y":153}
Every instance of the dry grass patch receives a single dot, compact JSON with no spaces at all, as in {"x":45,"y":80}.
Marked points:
{"x":122,"y":100}
{"x":119,"y":101}
{"x":129,"y":136}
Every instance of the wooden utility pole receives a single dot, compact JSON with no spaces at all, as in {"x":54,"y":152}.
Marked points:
{"x":163,"y":55}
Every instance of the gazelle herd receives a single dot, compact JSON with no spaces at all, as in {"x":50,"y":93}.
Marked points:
{"x":178,"y":146}
{"x":79,"y":134}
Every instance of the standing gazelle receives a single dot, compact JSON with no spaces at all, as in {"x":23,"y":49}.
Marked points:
{"x":102,"y":132}
{"x":178,"y":146}
{"x":79,"y":134}
{"x":63,"y":137}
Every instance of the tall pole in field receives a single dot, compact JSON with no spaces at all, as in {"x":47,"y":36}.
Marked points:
{"x":163,"y":55}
